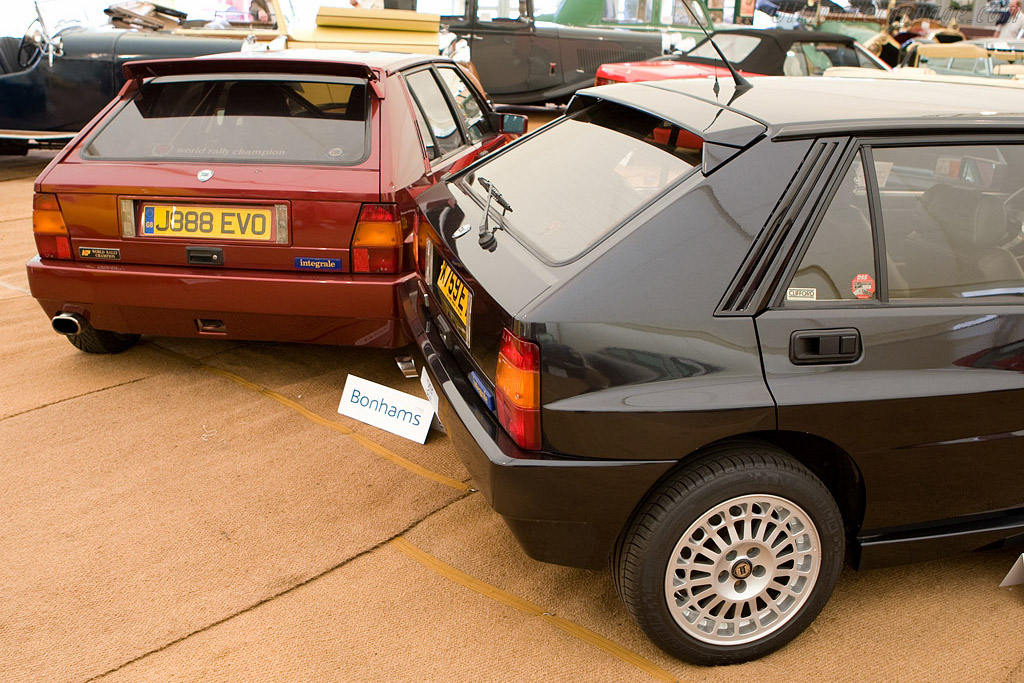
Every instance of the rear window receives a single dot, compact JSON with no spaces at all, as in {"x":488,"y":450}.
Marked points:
{"x":574,"y":183}
{"x":258,"y":120}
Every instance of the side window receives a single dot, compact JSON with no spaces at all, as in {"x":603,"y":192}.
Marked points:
{"x":446,"y":8}
{"x":952,"y":217}
{"x":469,"y":106}
{"x":498,"y":10}
{"x":839,"y":264}
{"x":435,"y":112}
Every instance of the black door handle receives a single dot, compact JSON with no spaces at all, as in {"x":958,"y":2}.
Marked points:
{"x":808,"y":347}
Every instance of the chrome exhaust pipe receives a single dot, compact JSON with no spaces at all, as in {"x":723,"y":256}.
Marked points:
{"x":407,"y":365}
{"x":68,"y":323}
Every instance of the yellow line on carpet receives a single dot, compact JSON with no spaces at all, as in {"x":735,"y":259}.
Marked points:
{"x":514,"y":601}
{"x":322,"y":421}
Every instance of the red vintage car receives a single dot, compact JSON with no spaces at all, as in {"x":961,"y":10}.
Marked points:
{"x":754,"y":52}
{"x":263,"y":196}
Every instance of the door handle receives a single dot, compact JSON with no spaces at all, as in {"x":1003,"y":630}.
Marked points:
{"x":822,"y":347}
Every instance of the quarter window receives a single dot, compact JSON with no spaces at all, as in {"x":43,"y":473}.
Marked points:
{"x":839,"y":264}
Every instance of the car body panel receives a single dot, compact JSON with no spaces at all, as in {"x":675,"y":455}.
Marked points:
{"x":917,"y":468}
{"x":315,"y":206}
{"x":521,"y":60}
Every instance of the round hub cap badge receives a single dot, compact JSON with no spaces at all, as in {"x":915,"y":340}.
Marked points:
{"x":742,"y":569}
{"x":204,"y":175}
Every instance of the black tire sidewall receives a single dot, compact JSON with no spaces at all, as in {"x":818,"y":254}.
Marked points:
{"x":801,"y":489}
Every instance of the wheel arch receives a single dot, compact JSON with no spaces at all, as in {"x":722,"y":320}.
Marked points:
{"x":828,"y":462}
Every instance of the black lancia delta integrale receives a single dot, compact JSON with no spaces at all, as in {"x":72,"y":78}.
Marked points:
{"x":721,"y":342}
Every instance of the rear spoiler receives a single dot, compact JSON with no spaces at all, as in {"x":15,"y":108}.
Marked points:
{"x":271,"y":63}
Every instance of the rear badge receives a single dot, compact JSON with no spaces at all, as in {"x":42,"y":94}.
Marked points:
{"x":204,"y":175}
{"x":482,"y":390}
{"x":99,"y":254}
{"x":303,"y":263}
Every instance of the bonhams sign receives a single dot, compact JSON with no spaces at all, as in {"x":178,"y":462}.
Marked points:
{"x":386,"y":408}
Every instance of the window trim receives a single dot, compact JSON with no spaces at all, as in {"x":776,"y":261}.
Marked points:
{"x":452,"y":109}
{"x":463,"y":124}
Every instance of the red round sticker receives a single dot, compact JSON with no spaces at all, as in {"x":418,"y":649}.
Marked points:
{"x":863,"y":286}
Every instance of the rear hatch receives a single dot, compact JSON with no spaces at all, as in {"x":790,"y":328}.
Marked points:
{"x":500,"y":238}
{"x":246,"y":170}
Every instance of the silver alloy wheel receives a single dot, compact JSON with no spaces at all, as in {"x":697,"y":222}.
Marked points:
{"x":743,"y":569}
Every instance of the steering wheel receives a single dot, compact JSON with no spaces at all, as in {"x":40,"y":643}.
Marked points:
{"x":29,"y":49}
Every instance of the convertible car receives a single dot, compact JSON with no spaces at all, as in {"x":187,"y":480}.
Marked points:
{"x":754,"y":52}
{"x":987,"y":59}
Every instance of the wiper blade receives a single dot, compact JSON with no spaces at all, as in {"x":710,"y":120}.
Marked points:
{"x":486,"y":239}
{"x":493,"y":192}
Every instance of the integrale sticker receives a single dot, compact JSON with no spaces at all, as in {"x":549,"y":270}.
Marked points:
{"x":305,"y":263}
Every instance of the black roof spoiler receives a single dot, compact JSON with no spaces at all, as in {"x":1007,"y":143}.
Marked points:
{"x":725,"y":132}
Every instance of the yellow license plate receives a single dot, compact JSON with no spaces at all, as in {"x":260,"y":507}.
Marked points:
{"x":208,"y":222}
{"x":455,"y":292}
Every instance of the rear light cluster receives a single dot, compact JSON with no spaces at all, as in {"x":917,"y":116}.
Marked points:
{"x":52,"y":239}
{"x":377,"y":240}
{"x":518,"y":390}
{"x":600,"y":80}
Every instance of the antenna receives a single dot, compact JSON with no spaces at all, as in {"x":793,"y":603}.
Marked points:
{"x":742,"y":84}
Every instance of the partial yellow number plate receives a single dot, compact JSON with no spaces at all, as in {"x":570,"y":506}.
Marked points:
{"x":208,"y":222}
{"x":455,"y":292}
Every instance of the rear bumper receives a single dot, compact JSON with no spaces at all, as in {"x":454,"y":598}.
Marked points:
{"x":256,"y":305}
{"x":564,"y":511}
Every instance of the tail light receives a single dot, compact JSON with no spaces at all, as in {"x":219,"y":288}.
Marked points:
{"x":377,"y":241}
{"x":52,"y":240}
{"x":518,"y":390}
{"x":601,"y":80}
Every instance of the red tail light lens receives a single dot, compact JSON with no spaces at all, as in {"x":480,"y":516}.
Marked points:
{"x":518,"y":390}
{"x":377,"y":241}
{"x":52,"y":240}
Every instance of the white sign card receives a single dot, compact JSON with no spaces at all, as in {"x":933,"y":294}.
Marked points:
{"x":428,"y":389}
{"x":383,"y":407}
{"x":1016,"y":575}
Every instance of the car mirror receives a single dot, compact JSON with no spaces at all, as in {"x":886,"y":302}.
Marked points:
{"x":513,"y":124}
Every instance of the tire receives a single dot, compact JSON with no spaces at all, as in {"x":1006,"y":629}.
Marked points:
{"x":92,"y":340}
{"x":709,"y":594}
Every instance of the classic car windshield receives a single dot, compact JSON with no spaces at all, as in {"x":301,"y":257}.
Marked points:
{"x":735,"y":47}
{"x":573,"y":184}
{"x":313,"y":121}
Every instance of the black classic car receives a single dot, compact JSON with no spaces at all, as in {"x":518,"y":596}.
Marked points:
{"x":521,"y":60}
{"x":721,"y":343}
